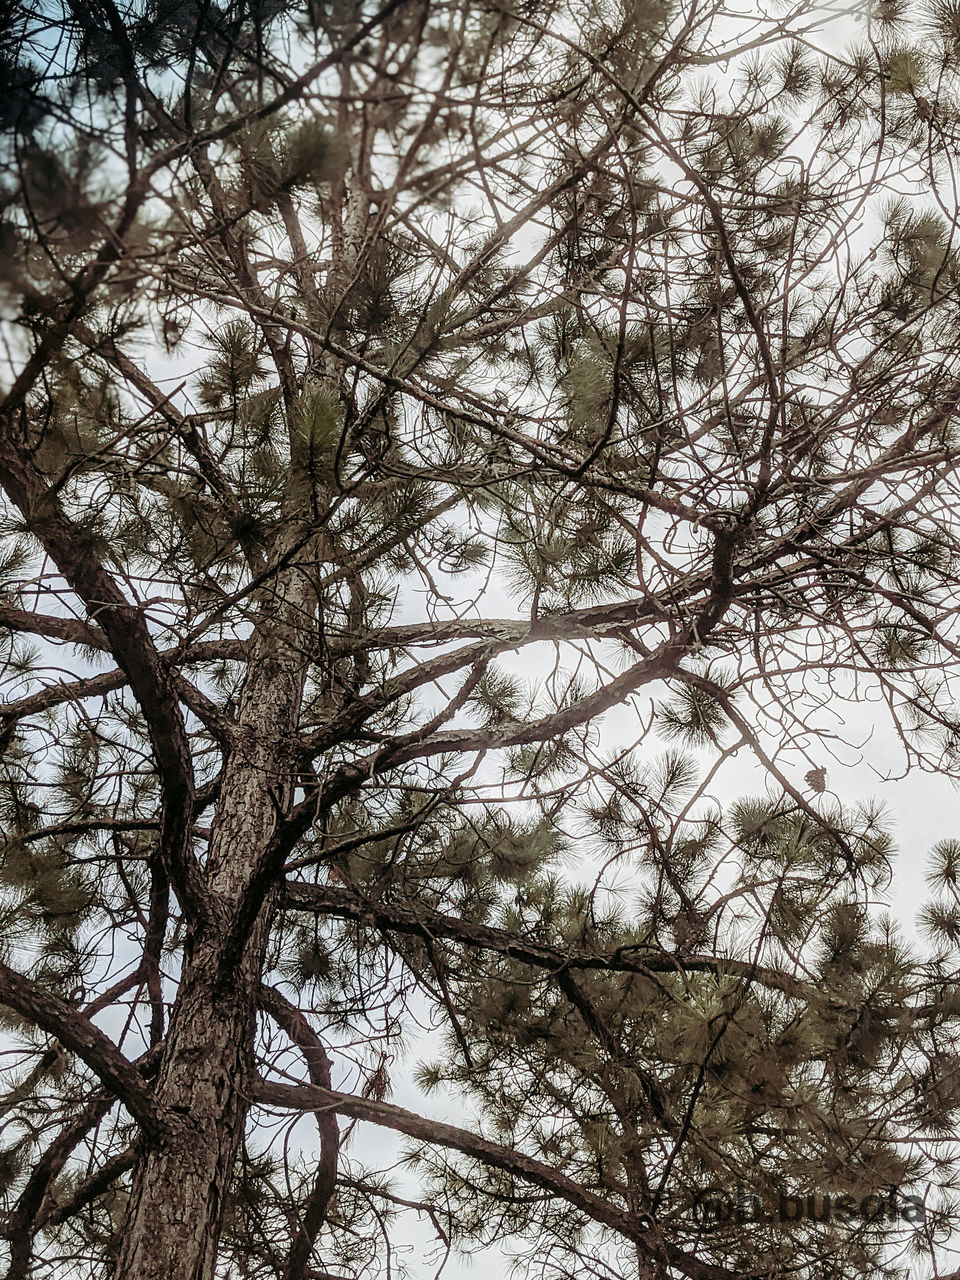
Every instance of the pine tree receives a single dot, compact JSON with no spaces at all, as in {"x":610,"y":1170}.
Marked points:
{"x":436,"y":439}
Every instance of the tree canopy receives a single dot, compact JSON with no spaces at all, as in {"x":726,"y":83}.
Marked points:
{"x":436,"y":439}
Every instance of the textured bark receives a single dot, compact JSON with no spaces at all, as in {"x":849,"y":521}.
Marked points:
{"x":174,"y":1217}
{"x":177,"y":1200}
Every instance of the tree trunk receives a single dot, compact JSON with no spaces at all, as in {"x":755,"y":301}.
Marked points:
{"x":175,"y":1213}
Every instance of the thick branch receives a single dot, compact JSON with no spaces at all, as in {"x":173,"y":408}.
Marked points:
{"x":425,"y":923}
{"x":22,"y":1222}
{"x":41,"y":624}
{"x":78,"y":1034}
{"x":131,"y":643}
{"x":289,"y":1018}
{"x":91,"y":1187}
{"x":491,"y":1154}
{"x":107,"y":681}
